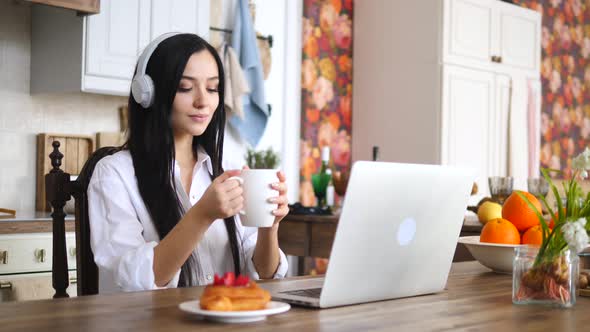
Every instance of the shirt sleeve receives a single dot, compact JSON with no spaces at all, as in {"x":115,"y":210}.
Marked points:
{"x":116,"y":234}
{"x":250,"y":235}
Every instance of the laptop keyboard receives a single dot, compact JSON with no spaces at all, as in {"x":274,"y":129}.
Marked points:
{"x":311,"y":292}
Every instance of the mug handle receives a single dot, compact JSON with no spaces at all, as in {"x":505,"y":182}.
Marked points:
{"x":241,"y":181}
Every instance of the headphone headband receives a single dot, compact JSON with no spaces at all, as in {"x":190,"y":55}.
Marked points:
{"x":142,"y":86}
{"x":148,"y":50}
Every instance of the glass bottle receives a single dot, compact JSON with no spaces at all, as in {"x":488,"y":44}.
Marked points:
{"x":375,"y":153}
{"x":325,"y":159}
{"x":330,"y":190}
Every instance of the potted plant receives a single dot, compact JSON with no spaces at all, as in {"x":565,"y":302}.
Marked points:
{"x":548,"y":274}
{"x":264,"y":159}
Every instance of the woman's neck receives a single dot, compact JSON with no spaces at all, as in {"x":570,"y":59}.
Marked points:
{"x":183,"y":145}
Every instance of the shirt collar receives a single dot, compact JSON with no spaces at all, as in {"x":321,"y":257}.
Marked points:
{"x":203,"y":157}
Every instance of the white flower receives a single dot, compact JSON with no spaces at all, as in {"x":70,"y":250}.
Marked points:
{"x":582,"y":161}
{"x":575,"y":234}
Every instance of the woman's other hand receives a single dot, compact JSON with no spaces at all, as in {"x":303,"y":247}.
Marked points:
{"x":282,"y":200}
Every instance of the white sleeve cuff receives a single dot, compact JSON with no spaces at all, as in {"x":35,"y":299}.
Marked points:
{"x":280,"y":273}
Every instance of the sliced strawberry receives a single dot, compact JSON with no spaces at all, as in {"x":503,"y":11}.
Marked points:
{"x":242,"y":280}
{"x":217,"y":280}
{"x":229,"y":278}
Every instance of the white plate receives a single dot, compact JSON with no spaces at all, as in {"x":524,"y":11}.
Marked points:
{"x":496,"y":256}
{"x":272,"y":308}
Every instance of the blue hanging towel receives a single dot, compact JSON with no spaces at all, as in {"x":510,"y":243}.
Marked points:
{"x":244,"y":43}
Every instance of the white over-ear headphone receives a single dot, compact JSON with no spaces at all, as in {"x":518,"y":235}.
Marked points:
{"x":142,"y":86}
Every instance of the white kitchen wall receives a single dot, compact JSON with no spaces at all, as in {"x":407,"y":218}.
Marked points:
{"x":282,"y":20}
{"x":270,"y":15}
{"x":22,"y":116}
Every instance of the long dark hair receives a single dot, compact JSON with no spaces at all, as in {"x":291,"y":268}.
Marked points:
{"x":151,"y":142}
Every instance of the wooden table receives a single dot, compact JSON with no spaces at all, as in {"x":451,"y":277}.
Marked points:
{"x":475,"y":299}
{"x":307,"y":236}
{"x":313,"y":236}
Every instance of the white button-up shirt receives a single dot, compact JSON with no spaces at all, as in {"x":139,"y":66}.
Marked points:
{"x":123,"y":234}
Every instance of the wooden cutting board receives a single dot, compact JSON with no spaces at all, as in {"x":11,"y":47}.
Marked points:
{"x":76,"y":150}
{"x":107,"y":138}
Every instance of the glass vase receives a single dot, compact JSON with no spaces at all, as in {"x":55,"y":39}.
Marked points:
{"x":552,"y":281}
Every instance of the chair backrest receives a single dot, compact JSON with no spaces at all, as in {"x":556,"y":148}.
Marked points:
{"x":60,"y":189}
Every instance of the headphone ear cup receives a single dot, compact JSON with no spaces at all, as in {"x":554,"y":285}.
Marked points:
{"x":142,"y":88}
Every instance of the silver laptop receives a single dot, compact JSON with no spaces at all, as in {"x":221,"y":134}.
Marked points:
{"x":396,"y":235}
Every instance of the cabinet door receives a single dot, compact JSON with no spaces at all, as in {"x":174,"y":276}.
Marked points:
{"x":520,"y":37}
{"x":468,"y":30}
{"x":114,"y":39}
{"x":180,"y":16}
{"x":468,"y":104}
{"x":499,"y":126}
{"x":27,"y":253}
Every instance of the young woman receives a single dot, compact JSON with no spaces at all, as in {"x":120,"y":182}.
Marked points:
{"x":162,"y":211}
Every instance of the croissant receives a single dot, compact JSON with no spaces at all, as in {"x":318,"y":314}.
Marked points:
{"x":246,"y":295}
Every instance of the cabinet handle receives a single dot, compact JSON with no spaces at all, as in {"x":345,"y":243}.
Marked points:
{"x":73,"y":251}
{"x":499,"y":59}
{"x":40,"y":255}
{"x":5,"y":285}
{"x":73,"y":280}
{"x":3,"y":256}
{"x":495,"y":58}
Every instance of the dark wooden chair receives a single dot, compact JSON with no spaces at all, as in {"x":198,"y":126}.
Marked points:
{"x":59,"y":189}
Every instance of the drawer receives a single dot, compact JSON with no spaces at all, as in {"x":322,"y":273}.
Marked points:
{"x":24,"y":253}
{"x":32,"y":286}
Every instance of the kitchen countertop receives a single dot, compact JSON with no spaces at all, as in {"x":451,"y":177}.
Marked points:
{"x":31,"y":216}
{"x":32,"y":222}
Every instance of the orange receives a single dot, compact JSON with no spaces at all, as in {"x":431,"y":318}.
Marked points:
{"x":552,"y":222}
{"x":499,"y":231}
{"x":533,"y":236}
{"x":555,"y":217}
{"x":518,"y":211}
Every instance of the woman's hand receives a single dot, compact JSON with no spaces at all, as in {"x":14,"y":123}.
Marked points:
{"x":266,"y":255}
{"x":282,"y":200}
{"x":222,"y":199}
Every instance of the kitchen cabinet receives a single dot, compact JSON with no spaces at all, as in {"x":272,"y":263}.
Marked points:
{"x":82,"y":6}
{"x":31,"y":286}
{"x":520,"y":37}
{"x":474,"y":126}
{"x":468,"y":30}
{"x":432,"y":94}
{"x":113,"y":40}
{"x":491,"y":35}
{"x":98,"y":53}
{"x":25,"y":266}
{"x":180,"y":15}
{"x":468,"y":97}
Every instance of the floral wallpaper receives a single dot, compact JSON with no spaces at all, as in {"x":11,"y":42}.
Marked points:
{"x":565,"y":76}
{"x":326,"y":88}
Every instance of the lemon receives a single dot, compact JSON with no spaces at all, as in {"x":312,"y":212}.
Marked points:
{"x":488,"y":211}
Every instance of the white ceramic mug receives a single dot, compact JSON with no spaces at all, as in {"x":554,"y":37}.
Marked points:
{"x":256,"y":183}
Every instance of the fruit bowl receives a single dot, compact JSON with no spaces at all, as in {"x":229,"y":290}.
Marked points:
{"x":495,"y":256}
